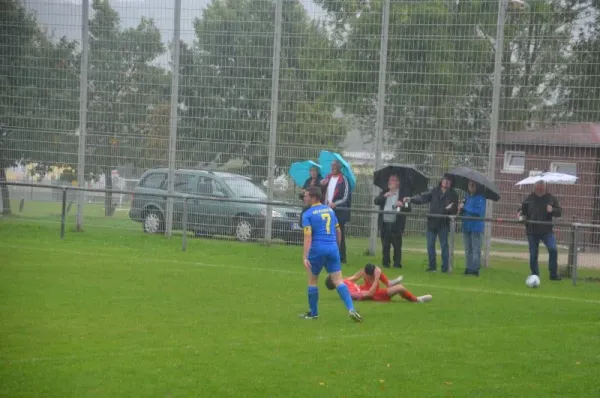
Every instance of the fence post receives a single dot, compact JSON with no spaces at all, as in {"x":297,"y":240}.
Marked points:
{"x":572,"y":250}
{"x":63,"y":213}
{"x":380,"y":121}
{"x":173,"y":115}
{"x":496,"y":87}
{"x":451,"y":243}
{"x":83,"y":99}
{"x":576,"y":245}
{"x":272,"y":149}
{"x":185,"y":220}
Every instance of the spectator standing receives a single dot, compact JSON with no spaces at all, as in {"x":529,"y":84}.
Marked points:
{"x":336,"y":189}
{"x":540,"y":205}
{"x":443,"y":200}
{"x":391,"y":226}
{"x":312,"y":181}
{"x":474,"y":205}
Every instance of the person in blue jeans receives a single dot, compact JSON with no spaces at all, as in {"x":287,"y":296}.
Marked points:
{"x":541,"y":206}
{"x":473,"y":206}
{"x":443,"y":200}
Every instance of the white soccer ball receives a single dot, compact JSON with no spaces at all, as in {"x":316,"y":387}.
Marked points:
{"x":532,"y":281}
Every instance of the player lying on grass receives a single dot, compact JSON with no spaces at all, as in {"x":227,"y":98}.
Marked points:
{"x":371,"y":290}
{"x":321,"y":239}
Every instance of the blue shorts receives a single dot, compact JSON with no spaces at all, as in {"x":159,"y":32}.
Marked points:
{"x":328,"y":256}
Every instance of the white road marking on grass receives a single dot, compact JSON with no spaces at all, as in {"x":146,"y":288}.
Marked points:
{"x":289,"y":271}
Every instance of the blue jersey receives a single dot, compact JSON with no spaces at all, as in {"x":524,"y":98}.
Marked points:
{"x":320,"y":222}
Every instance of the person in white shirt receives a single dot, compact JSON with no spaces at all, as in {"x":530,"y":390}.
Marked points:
{"x":336,"y":191}
{"x":391,"y":226}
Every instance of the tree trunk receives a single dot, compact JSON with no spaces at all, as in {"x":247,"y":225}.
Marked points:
{"x":5,"y":193}
{"x":108,"y":206}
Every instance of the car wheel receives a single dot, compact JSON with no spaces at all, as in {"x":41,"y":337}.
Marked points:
{"x":243,"y":229}
{"x":153,"y":222}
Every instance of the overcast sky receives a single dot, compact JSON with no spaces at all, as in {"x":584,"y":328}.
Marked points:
{"x":64,"y":16}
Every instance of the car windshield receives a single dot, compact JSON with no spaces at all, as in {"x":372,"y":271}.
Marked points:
{"x":244,"y":188}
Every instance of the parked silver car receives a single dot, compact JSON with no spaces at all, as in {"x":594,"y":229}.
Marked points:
{"x":212,"y":216}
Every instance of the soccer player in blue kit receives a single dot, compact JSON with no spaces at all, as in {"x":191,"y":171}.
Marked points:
{"x":321,"y":239}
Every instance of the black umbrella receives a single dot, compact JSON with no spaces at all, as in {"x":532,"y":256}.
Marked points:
{"x":411,"y":179}
{"x":486,"y":187}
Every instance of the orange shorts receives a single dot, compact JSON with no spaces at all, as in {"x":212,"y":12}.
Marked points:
{"x":380,"y":294}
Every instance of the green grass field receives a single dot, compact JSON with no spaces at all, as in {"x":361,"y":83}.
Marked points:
{"x":114,"y":312}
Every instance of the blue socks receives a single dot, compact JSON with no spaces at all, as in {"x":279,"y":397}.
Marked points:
{"x":344,"y":293}
{"x":313,"y":299}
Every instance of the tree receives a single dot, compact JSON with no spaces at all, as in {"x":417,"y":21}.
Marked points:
{"x":152,"y":145}
{"x":534,"y":54}
{"x":432,"y":56}
{"x":123,"y":88}
{"x":440,"y":70}
{"x":226,"y":85}
{"x":579,"y":98}
{"x":38,"y":94}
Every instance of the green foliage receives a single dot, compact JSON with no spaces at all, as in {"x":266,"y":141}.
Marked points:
{"x":439,"y":71}
{"x":226,"y":81}
{"x":38,"y":91}
{"x":123,"y":87}
{"x":438,"y":83}
{"x":580,"y":94}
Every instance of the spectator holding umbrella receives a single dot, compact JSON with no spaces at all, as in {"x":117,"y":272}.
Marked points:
{"x":473,"y":206}
{"x":443,"y":200}
{"x":305,"y":174}
{"x":391,"y":226}
{"x":336,"y":190}
{"x":314,"y":180}
{"x":541,"y":206}
{"x":396,"y":182}
{"x":478,"y":188}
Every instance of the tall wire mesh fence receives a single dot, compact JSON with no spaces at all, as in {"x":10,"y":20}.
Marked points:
{"x":442,"y":63}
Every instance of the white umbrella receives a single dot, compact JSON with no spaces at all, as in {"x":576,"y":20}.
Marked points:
{"x":549,"y":178}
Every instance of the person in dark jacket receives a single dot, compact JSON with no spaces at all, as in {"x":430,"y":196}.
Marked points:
{"x":312,"y":181}
{"x":473,"y":206}
{"x":442,"y":200}
{"x":391,"y":226}
{"x":336,"y":191}
{"x":541,"y":206}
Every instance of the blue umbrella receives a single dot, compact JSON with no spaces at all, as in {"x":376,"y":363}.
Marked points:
{"x":325,"y":160}
{"x":300,"y":171}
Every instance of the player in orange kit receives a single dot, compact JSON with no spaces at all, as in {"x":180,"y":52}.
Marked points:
{"x":371,"y":290}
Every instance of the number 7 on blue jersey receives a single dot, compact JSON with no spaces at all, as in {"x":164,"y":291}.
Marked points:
{"x":327,"y":218}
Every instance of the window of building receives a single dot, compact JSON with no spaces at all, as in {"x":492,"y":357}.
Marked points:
{"x":514,"y":162}
{"x":565,"y":168}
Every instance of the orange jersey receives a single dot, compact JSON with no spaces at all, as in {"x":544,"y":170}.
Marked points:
{"x":368,"y":282}
{"x":353,"y":287}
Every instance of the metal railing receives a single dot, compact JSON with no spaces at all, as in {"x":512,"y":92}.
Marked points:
{"x":575,"y":228}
